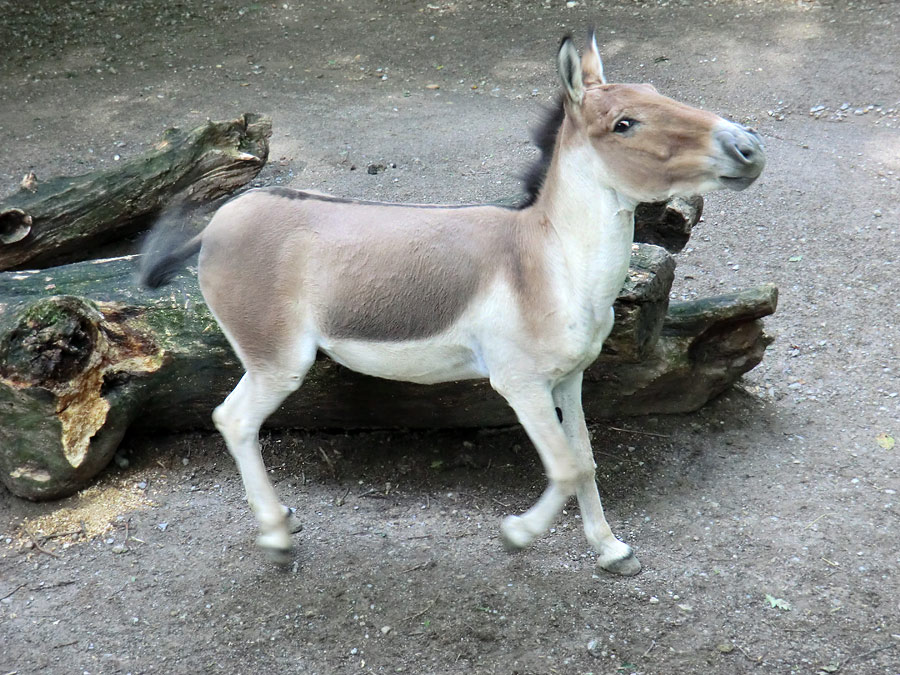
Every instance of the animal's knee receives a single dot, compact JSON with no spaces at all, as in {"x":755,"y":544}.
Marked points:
{"x":222,"y":420}
{"x":569,"y":480}
{"x":233,"y":427}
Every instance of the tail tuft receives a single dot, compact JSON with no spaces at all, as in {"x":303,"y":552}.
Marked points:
{"x":165,"y":249}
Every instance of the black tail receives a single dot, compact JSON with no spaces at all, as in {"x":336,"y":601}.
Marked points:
{"x":166,"y":249}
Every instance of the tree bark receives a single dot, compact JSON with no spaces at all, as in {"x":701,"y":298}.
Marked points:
{"x":100,"y":356}
{"x":667,"y":224}
{"x":65,"y":219}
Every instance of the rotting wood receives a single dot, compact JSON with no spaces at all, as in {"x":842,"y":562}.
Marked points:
{"x":64,"y":219}
{"x":79,"y":368}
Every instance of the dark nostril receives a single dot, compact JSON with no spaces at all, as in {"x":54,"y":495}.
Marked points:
{"x":745,"y":151}
{"x":741,"y":150}
{"x":743,"y":147}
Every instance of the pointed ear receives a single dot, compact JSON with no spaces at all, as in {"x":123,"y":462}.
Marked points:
{"x":569,"y":66}
{"x":592,"y":64}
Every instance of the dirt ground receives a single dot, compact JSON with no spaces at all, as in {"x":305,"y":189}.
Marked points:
{"x":785,"y":487}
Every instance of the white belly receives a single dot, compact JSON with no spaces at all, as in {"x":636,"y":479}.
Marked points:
{"x":422,"y":361}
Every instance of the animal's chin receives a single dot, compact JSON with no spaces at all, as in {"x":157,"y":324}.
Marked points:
{"x":737,"y":183}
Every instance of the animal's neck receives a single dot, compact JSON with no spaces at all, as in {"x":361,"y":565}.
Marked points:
{"x":594,"y":222}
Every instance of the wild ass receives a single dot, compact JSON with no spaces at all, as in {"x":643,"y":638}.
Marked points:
{"x":430,"y":294}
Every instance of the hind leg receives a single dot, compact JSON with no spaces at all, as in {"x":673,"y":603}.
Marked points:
{"x":238,"y":419}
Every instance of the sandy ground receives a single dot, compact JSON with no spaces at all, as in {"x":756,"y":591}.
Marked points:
{"x":785,"y":487}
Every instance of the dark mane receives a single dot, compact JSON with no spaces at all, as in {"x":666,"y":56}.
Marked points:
{"x":544,"y":137}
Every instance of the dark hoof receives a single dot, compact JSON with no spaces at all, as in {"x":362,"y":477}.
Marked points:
{"x":282,"y":557}
{"x":626,"y":567}
{"x":293,"y":522}
{"x":510,"y":547}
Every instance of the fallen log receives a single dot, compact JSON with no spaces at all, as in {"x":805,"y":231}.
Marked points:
{"x":64,"y":219}
{"x":667,"y":224}
{"x":85,"y":355}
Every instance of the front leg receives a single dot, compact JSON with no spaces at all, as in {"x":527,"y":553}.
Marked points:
{"x":533,"y":404}
{"x":613,"y":555}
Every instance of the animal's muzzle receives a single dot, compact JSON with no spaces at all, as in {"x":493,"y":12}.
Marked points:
{"x":741,"y":155}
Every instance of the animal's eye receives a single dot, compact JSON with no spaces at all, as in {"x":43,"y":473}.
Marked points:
{"x":623,"y":125}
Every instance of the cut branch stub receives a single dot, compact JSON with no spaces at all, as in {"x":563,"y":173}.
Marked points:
{"x":667,"y":224}
{"x":62,"y":219}
{"x":15,"y":225}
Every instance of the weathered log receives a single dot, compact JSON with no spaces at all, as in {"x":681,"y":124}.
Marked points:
{"x":667,"y":224}
{"x":79,"y":368}
{"x":704,"y":347}
{"x":64,"y":219}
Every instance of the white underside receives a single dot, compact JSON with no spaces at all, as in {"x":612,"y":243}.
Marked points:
{"x":428,"y":361}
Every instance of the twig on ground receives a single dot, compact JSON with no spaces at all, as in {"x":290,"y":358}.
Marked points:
{"x":37,"y":545}
{"x":13,"y":591}
{"x":871,"y":652}
{"x":427,"y":563}
{"x":66,"y":644}
{"x":490,"y":589}
{"x":815,"y":521}
{"x":373,"y":494}
{"x":340,"y":501}
{"x":52,"y":586}
{"x":418,"y":614}
{"x":328,"y":461}
{"x":744,"y":652}
{"x":115,"y":593}
{"x":640,"y":433}
{"x":649,"y":649}
{"x":63,"y":534}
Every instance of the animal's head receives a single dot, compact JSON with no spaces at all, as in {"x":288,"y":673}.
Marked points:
{"x":652,"y":147}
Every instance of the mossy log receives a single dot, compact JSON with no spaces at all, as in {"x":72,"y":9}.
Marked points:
{"x":85,"y":355}
{"x":64,"y":219}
